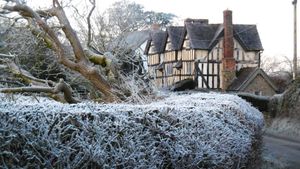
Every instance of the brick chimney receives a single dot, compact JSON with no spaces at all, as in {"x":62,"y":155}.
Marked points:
{"x":228,"y":61}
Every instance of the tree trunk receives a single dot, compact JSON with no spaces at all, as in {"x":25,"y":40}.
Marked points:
{"x":99,"y":83}
{"x":81,"y":62}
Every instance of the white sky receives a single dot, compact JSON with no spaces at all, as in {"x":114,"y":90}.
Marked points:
{"x":274,"y":19}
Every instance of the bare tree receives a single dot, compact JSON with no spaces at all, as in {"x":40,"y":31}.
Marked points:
{"x":276,"y":63}
{"x":124,"y":17}
{"x":81,"y":60}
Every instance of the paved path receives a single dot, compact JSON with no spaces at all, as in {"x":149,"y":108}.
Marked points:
{"x":283,"y":149}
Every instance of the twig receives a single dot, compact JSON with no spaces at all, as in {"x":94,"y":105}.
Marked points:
{"x":9,"y":56}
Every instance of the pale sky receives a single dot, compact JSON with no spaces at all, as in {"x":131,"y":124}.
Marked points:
{"x":274,"y":19}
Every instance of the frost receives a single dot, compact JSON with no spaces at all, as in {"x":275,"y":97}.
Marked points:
{"x":181,"y":131}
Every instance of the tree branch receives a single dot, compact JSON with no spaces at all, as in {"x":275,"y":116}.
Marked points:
{"x":27,"y":89}
{"x":70,"y":34}
{"x":39,"y":85}
{"x":89,"y":23}
{"x":59,"y":87}
{"x":7,"y":56}
{"x":81,"y":63}
{"x":97,"y":59}
{"x":25,"y":11}
{"x":26,"y":76}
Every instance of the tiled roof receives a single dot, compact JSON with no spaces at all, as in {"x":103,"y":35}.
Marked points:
{"x":159,"y":39}
{"x":248,"y":37}
{"x":241,"y":77}
{"x":201,"y":35}
{"x":176,"y":35}
{"x":131,"y":40}
{"x":244,"y":77}
{"x":205,"y":36}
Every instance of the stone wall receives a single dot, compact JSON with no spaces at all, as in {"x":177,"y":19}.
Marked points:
{"x":260,"y":86}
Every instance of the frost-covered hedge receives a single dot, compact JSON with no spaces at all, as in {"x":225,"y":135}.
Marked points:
{"x":185,"y":131}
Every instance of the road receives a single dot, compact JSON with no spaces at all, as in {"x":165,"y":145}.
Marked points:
{"x":282,"y":150}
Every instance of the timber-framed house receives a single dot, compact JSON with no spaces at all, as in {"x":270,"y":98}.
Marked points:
{"x":210,"y":54}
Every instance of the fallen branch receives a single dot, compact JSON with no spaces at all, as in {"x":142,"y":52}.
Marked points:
{"x":61,"y":86}
{"x":80,"y":62}
{"x":97,"y":59}
{"x":26,"y":76}
{"x":39,"y":85}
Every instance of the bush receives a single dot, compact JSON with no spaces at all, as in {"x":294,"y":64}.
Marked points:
{"x":186,"y":131}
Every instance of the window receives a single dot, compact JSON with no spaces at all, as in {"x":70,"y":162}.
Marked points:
{"x":189,"y":68}
{"x":237,"y":54}
{"x":243,"y":56}
{"x":169,"y":69}
{"x":161,"y":58}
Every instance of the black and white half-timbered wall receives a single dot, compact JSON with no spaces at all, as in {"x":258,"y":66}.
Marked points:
{"x":210,"y":54}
